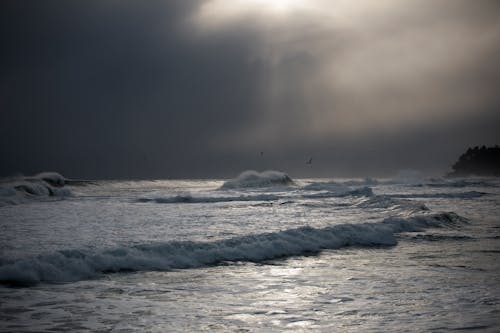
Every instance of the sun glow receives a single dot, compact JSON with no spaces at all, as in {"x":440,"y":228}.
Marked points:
{"x":275,"y":5}
{"x":220,"y":11}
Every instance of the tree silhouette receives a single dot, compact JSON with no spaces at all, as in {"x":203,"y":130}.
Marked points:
{"x":478,"y":161}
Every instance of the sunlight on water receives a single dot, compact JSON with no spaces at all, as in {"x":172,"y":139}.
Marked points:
{"x":258,"y":253}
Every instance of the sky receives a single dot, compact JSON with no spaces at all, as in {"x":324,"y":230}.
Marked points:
{"x":113,"y":89}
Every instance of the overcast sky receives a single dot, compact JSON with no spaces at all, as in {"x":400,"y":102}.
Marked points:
{"x":176,"y":88}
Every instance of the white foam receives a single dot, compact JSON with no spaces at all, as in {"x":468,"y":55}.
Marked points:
{"x":67,"y":266}
{"x":251,"y":178}
{"x":360,"y":192}
{"x":327,"y":186}
{"x":389,"y":202}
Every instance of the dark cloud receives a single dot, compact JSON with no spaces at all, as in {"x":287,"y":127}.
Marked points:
{"x":101,"y":89}
{"x":114,"y":89}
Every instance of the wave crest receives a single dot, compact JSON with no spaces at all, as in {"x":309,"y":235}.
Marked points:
{"x":187,"y":198}
{"x":389,"y":202}
{"x":342,"y":192}
{"x":251,"y":178}
{"x":74,"y":265}
{"x":23,"y":189}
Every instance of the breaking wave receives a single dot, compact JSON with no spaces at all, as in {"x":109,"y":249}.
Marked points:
{"x":252,"y":178}
{"x":23,"y":189}
{"x":75,"y":265}
{"x":187,"y":198}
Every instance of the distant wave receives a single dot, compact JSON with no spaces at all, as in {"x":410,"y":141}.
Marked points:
{"x":345,"y":192}
{"x":389,"y":202}
{"x":457,"y":195}
{"x":21,"y":189}
{"x":326,"y":186}
{"x":439,"y":238}
{"x":75,"y":265}
{"x":364,"y":182}
{"x":412,"y":179}
{"x":341,"y":185}
{"x":190,"y":199}
{"x":252,"y":178}
{"x":465,"y":182}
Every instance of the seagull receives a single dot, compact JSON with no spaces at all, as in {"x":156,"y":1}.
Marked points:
{"x":309,"y":161}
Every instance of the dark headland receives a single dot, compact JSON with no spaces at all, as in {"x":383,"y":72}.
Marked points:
{"x":478,"y":161}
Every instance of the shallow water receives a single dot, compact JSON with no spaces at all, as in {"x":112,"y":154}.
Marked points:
{"x":189,"y":256}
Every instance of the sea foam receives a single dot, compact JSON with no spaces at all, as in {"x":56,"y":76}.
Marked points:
{"x":75,"y":265}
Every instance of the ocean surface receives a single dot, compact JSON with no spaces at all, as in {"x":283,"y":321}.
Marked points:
{"x":258,"y":253}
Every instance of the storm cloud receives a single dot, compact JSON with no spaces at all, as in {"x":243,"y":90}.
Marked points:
{"x":129,"y":89}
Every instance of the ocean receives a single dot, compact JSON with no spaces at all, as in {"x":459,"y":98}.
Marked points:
{"x":259,"y":253}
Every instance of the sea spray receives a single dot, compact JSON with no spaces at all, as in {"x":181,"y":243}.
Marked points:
{"x":251,"y":178}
